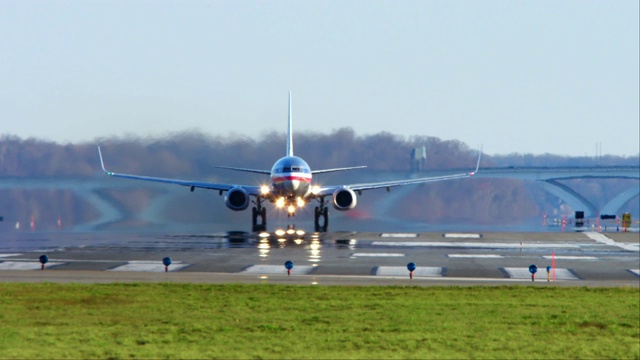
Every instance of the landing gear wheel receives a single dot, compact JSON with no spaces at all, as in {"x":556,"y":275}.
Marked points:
{"x":262,"y":214}
{"x":324,"y":213}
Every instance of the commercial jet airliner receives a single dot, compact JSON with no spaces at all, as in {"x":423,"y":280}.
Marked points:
{"x":291,"y":187}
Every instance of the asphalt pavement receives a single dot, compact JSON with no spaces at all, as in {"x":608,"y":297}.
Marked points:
{"x":335,"y":258}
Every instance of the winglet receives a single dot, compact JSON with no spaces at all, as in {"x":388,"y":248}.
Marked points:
{"x":478,"y":164}
{"x":102,"y":161}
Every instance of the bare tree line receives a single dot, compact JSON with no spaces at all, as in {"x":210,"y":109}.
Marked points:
{"x":193,"y":155}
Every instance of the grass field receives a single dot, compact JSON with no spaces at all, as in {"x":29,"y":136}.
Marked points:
{"x":170,"y":320}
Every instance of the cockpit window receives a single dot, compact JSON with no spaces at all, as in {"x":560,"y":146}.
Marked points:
{"x":294,"y":169}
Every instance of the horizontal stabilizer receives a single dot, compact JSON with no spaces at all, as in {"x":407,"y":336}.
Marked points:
{"x":337,"y":169}
{"x":244,"y":169}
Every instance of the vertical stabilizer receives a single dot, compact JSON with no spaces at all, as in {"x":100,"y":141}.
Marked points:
{"x":289,"y":132}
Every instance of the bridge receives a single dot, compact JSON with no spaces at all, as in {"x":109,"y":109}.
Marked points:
{"x":551,"y":176}
{"x":89,"y":188}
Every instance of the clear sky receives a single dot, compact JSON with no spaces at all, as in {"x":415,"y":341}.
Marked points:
{"x":517,"y":76}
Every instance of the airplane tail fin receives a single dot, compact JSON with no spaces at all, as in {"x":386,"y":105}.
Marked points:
{"x":290,"y":131}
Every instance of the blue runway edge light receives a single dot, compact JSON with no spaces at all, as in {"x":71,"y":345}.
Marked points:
{"x":166,"y":261}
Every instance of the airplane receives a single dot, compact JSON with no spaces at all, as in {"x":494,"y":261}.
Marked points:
{"x":290,"y":187}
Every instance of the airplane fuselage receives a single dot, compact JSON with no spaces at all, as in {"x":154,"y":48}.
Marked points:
{"x":290,"y":178}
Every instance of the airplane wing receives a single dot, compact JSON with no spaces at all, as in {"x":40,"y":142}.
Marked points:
{"x":251,"y":190}
{"x":328,"y":190}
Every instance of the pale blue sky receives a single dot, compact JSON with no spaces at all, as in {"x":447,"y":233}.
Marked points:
{"x":516,"y":76}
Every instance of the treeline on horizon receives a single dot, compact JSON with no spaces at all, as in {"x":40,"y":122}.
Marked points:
{"x":194,"y":153}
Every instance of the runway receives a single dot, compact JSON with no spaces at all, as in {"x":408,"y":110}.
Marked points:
{"x":338,"y":258}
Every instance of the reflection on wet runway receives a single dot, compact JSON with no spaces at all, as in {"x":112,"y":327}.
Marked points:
{"x":575,"y":256}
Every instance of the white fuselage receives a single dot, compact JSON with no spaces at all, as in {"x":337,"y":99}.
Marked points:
{"x":290,"y":178}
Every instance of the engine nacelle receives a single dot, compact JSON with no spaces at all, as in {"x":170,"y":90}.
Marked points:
{"x":236,"y":199}
{"x":344,"y":199}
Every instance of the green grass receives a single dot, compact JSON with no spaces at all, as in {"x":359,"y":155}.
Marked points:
{"x":170,"y":320}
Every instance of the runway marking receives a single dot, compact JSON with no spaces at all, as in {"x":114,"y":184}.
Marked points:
{"x":560,"y":257}
{"x":523,"y":273}
{"x":278,"y":269}
{"x":377,"y":255}
{"x":8,"y":255}
{"x":398,"y":235}
{"x":463,"y":236}
{"x":478,"y":256}
{"x":402,"y":271}
{"x":71,"y":260}
{"x":635,"y":271}
{"x":22,"y":265}
{"x":148,"y":266}
{"x":607,"y":241}
{"x":485,"y":245}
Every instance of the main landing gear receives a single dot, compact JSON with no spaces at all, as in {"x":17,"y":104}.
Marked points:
{"x":321,"y":212}
{"x":259,"y":217}
{"x":259,"y":212}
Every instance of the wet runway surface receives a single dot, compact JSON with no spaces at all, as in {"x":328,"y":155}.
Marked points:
{"x":338,"y":258}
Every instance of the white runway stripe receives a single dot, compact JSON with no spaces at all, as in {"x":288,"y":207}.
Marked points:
{"x":398,"y":235}
{"x":23,"y":265}
{"x":69,"y":260}
{"x":402,"y":271}
{"x":482,"y":245}
{"x":475,"y":256}
{"x":377,"y":255}
{"x":463,"y":236}
{"x":523,"y":273}
{"x":8,"y":255}
{"x":562,"y":257}
{"x":277,"y":269}
{"x":635,"y":271}
{"x":605,"y":240}
{"x":149,"y":266}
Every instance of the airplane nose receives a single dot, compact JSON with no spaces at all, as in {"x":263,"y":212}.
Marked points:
{"x":294,"y":185}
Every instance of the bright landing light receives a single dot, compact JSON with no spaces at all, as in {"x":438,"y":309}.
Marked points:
{"x":291,"y":209}
{"x":280,"y":202}
{"x":300,"y":202}
{"x":264,"y":189}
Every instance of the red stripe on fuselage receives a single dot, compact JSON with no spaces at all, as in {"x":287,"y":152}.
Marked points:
{"x":290,"y":178}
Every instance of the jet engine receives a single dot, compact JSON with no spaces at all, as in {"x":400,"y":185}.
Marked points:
{"x":344,"y":199}
{"x":236,"y":199}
